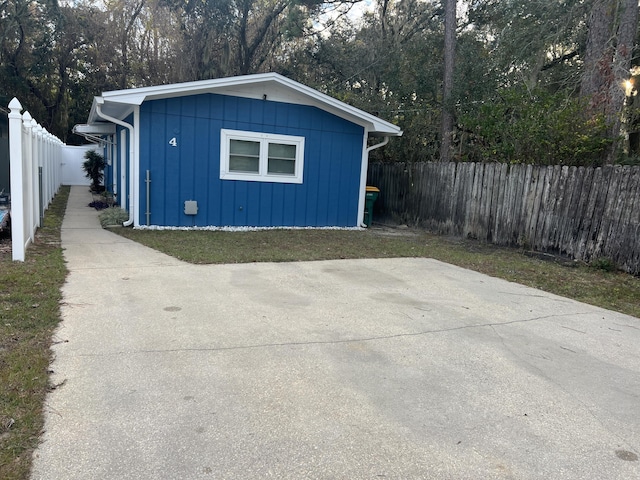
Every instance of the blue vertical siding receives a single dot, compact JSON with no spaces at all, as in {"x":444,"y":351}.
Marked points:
{"x":328,"y":195}
{"x":108,"y":170}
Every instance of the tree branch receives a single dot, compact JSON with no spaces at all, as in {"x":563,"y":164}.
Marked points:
{"x":562,"y":59}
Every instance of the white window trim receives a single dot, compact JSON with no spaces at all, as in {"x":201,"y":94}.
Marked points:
{"x":227,"y":135}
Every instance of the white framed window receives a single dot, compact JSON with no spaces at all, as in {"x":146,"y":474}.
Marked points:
{"x":261,"y":157}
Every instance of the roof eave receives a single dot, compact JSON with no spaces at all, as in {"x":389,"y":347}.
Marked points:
{"x":117,"y":99}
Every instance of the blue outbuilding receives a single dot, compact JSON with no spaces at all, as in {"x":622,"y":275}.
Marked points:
{"x":255,"y":150}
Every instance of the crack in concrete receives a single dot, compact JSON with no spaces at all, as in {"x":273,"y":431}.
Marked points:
{"x":332,"y":342}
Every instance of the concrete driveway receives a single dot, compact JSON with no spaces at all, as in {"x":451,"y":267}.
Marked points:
{"x":352,"y":369}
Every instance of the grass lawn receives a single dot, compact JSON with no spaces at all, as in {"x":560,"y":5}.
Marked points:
{"x":29,"y":312}
{"x":613,"y":290}
{"x":30,"y":294}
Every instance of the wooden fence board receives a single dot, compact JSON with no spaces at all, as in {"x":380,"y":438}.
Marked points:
{"x":496,"y":200}
{"x":632,"y":231}
{"x":545,"y":212}
{"x":450,"y":215}
{"x":584,"y":212}
{"x":626,"y":209}
{"x":602,"y":210}
{"x":524,"y":203}
{"x":561,"y":198}
{"x":469,"y":198}
{"x":537,"y":183}
{"x":469,"y":176}
{"x":618,"y":205}
{"x":587,"y":217}
{"x":572,"y":212}
{"x":521,"y":187}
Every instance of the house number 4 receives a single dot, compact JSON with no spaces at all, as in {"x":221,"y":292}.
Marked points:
{"x":173,"y":142}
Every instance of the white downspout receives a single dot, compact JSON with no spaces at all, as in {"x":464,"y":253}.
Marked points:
{"x":363,"y":175}
{"x":378,"y":145}
{"x":131,"y":155}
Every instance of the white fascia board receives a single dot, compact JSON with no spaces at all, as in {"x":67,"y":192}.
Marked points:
{"x":337,"y":107}
{"x":93,"y":116}
{"x":118,"y":110}
{"x":276,"y":87}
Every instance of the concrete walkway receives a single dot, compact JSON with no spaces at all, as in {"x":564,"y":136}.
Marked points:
{"x":354,"y":369}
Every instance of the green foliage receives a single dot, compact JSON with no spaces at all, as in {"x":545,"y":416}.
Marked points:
{"x":518,"y":64}
{"x":535,"y":127}
{"x":603,"y":263}
{"x":388,"y":65}
{"x":46,"y":61}
{"x":529,"y":41}
{"x":113,"y":216}
{"x":93,"y":167}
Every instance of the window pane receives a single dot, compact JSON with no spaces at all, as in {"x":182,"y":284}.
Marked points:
{"x":244,"y":147}
{"x":238,"y":163}
{"x":279,"y":150}
{"x":282,"y":167}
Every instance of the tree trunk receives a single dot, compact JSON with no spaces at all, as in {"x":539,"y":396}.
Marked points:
{"x":446,"y":125}
{"x":612,"y":30}
{"x":621,"y":65}
{"x":596,"y":77}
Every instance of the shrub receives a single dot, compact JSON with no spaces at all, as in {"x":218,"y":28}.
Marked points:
{"x":93,"y":168}
{"x":536,"y":127}
{"x":113,"y":216}
{"x":603,"y":263}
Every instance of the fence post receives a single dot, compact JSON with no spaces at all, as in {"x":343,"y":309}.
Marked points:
{"x":37,"y":151}
{"x":49,"y":169}
{"x":28,"y":163}
{"x":17,"y":195}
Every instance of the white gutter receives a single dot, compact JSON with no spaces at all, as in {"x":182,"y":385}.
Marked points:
{"x":363,"y":175}
{"x":129,"y":127}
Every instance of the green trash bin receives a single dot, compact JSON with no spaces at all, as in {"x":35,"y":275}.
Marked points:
{"x":370,"y":197}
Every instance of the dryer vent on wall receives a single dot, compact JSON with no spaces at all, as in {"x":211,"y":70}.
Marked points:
{"x":191,"y":207}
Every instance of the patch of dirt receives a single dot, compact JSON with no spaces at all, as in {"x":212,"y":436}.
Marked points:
{"x":5,"y":242}
{"x":551,"y":257}
{"x":472,"y":245}
{"x":387,"y":230}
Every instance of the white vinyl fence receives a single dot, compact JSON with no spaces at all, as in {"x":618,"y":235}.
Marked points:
{"x":35,"y":165}
{"x":72,"y":159}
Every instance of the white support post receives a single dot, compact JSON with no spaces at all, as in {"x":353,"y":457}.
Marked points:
{"x":45,"y":168}
{"x":49,"y":169}
{"x":29,"y":217}
{"x":37,"y":163}
{"x":58,"y":157}
{"x":15,"y":164}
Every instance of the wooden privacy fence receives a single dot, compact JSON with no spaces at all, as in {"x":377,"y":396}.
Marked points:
{"x":35,"y":160}
{"x":586,"y":213}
